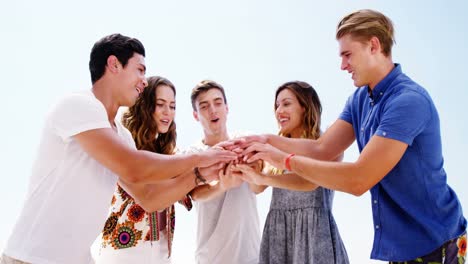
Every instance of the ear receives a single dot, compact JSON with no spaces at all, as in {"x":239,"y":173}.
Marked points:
{"x":113,"y":64}
{"x":227,"y":109}
{"x":375,"y":45}
{"x":195,"y":115}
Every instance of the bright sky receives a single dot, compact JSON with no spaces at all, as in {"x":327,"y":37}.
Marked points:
{"x":250,"y":47}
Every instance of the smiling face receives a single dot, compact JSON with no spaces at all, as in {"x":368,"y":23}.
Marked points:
{"x":211,"y":112}
{"x":131,"y":79}
{"x":289,"y":114}
{"x":164,"y":111}
{"x":357,"y":59}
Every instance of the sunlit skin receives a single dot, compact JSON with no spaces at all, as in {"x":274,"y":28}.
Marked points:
{"x":120,"y":86}
{"x":164,"y":111}
{"x":289,"y":114}
{"x":364,"y":60}
{"x":132,"y":79}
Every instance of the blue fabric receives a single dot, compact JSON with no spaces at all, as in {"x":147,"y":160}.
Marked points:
{"x":414,"y":210}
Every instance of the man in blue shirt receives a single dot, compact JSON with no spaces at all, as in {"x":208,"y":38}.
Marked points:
{"x":417,"y":216}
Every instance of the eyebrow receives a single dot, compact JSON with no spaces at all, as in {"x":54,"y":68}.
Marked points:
{"x":343,"y":52}
{"x":284,"y":99}
{"x":205,"y":102}
{"x":164,"y":100}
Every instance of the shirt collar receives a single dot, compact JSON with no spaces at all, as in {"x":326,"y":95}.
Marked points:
{"x":383,"y":85}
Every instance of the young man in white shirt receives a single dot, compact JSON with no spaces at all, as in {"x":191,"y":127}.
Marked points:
{"x":228,"y":225}
{"x":82,"y":154}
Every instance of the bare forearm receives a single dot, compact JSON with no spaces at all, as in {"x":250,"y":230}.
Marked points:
{"x":341,"y":176}
{"x":156,"y":197}
{"x":290,"y":181}
{"x":300,"y":146}
{"x":147,"y":167}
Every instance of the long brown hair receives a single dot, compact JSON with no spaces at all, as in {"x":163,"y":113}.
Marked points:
{"x":308,"y":98}
{"x":140,"y":122}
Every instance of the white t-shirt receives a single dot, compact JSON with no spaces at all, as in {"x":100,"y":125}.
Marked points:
{"x":69,"y":192}
{"x":228,"y":229}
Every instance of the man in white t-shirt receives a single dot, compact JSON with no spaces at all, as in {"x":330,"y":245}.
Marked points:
{"x":82,"y":154}
{"x":228,"y":228}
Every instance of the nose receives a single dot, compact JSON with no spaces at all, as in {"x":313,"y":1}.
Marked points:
{"x":145,"y":82}
{"x":279,"y":110}
{"x":344,"y":64}
{"x":212,"y":108}
{"x":165,"y":110}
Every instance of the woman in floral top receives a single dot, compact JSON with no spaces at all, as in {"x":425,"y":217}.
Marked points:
{"x":132,"y":235}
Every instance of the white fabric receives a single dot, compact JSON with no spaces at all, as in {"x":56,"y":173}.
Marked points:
{"x":146,"y":252}
{"x":69,"y":192}
{"x":228,"y":228}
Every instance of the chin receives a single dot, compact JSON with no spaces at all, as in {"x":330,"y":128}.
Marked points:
{"x":163,"y":131}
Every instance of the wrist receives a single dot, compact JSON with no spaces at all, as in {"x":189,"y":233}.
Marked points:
{"x":287,"y":161}
{"x":199,"y":179}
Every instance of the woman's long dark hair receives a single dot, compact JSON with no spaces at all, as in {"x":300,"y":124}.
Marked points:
{"x":140,"y":122}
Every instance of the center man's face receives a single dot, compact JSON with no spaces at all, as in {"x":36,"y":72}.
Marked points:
{"x":211,"y":111}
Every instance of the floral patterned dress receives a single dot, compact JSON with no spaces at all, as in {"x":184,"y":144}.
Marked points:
{"x":128,"y":224}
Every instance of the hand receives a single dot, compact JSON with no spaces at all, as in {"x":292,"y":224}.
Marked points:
{"x":248,"y":174}
{"x":265,"y":152}
{"x":211,"y":173}
{"x":213,"y":156}
{"x":242,"y":142}
{"x":227,"y":179}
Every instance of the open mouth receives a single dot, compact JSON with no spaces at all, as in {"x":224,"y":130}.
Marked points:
{"x":138,"y":90}
{"x":214,"y":120}
{"x":165,"y":121}
{"x":283,"y":120}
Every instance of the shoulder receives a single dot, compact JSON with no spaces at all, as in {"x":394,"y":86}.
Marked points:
{"x":78,"y":101}
{"x":410,"y":94}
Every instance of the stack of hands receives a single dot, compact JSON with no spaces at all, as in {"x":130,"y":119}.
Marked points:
{"x":250,"y":154}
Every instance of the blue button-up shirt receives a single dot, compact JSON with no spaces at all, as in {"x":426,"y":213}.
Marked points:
{"x":414,"y":210}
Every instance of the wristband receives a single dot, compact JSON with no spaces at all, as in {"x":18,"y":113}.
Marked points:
{"x":287,"y":163}
{"x":198,"y":178}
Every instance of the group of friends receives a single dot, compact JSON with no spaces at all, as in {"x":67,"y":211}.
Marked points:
{"x":88,"y":161}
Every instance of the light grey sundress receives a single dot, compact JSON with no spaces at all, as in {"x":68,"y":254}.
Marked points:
{"x":300,"y":228}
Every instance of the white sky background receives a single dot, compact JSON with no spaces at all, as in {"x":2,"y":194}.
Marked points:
{"x":250,"y":47}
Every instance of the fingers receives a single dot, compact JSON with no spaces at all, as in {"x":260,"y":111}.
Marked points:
{"x":256,"y":156}
{"x":255,"y":147}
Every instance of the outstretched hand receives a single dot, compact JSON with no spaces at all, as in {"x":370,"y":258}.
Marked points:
{"x":228,"y":179}
{"x":266,"y":152}
{"x":211,"y":173}
{"x":249,"y":174}
{"x":216,"y":155}
{"x":242,"y":142}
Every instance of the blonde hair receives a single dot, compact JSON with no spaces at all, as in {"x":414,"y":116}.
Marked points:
{"x":365,"y":24}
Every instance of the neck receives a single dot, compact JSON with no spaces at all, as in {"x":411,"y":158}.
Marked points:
{"x":213,"y":139}
{"x":381,"y":71}
{"x":102,"y":92}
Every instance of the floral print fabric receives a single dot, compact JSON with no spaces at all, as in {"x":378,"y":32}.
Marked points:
{"x":128,"y":224}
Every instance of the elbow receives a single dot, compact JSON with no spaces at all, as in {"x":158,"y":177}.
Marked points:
{"x":358,"y":189}
{"x":132,"y":174}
